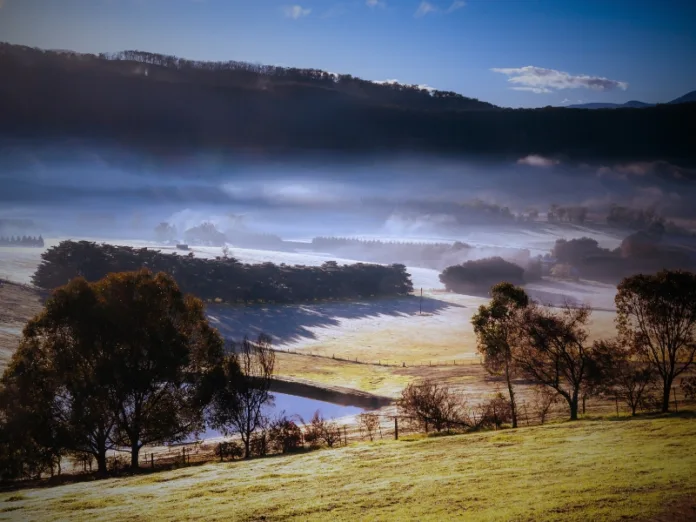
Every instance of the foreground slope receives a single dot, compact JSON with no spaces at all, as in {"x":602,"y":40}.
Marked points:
{"x":641,"y":469}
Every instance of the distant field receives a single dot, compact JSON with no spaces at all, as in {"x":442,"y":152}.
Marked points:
{"x":605,"y":470}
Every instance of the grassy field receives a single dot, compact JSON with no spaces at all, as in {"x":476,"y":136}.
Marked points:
{"x":641,"y":469}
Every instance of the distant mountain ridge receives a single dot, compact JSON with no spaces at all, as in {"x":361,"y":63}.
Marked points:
{"x":633,"y":104}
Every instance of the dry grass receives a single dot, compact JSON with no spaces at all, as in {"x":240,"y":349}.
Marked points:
{"x":588,"y":470}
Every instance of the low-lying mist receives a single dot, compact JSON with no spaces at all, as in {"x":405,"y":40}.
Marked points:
{"x":70,"y":189}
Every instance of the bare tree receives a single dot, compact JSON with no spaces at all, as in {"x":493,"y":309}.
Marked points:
{"x":369,"y":424}
{"x":554,"y":351}
{"x":656,"y":317}
{"x":625,"y":378}
{"x":238,"y":405}
{"x":544,"y":399}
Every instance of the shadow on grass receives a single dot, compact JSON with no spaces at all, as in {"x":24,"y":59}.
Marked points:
{"x":289,"y":323}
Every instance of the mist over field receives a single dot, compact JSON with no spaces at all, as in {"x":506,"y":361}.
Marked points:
{"x":70,"y":188}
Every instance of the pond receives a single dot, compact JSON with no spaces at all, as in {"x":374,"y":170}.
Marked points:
{"x":294,"y":405}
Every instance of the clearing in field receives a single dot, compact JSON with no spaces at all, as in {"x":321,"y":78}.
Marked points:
{"x":587,"y":470}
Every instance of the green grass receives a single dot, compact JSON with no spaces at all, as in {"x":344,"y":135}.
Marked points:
{"x":588,"y":470}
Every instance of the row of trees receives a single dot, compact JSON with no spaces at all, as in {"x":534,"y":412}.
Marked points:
{"x":428,"y":255}
{"x":122,"y":363}
{"x":656,"y":342}
{"x":21,"y":241}
{"x":224,"y":278}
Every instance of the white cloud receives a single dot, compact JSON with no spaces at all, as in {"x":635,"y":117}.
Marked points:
{"x":531,"y":77}
{"x":296,"y":11}
{"x":537,"y":90}
{"x":565,"y":101}
{"x":375,"y":3}
{"x":425,"y":8}
{"x":534,"y":160}
{"x":457,"y":4}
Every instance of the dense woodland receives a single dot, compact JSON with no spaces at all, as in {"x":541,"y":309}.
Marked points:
{"x":145,"y":99}
{"x":224,"y":278}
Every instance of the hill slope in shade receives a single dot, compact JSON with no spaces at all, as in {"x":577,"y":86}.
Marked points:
{"x":602,"y":470}
{"x":164,"y":103}
{"x":687,"y":98}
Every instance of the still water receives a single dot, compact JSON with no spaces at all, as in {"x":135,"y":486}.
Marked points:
{"x":293,"y":405}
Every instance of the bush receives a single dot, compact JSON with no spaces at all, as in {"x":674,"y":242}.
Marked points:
{"x":429,"y":403}
{"x":479,"y":276}
{"x":231,"y":449}
{"x":321,"y":431}
{"x":284,"y":435}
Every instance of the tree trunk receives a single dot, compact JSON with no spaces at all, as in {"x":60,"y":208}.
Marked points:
{"x":667,"y":388}
{"x":584,"y":399}
{"x":573,"y":403}
{"x":513,"y":405}
{"x":135,"y":453}
{"x":101,"y":462}
{"x":247,"y":449}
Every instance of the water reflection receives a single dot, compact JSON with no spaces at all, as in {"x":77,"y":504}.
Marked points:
{"x":294,"y":405}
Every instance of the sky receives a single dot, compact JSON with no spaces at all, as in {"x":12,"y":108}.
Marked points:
{"x":513,"y":53}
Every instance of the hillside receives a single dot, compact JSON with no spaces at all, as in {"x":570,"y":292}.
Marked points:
{"x":633,"y":104}
{"x":638,"y":469}
{"x":161,"y":103}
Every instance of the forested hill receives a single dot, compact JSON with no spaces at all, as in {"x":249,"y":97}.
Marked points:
{"x":147,"y":99}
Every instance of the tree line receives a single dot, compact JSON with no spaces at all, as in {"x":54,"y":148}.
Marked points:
{"x":51,"y":94}
{"x":22,"y":241}
{"x":224,"y":278}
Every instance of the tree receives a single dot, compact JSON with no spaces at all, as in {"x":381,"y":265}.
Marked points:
{"x":164,"y":232}
{"x":163,"y":358}
{"x":496,"y":326}
{"x":656,"y":317}
{"x":238,"y":404}
{"x":554,"y":352}
{"x":480,"y":275}
{"x":127,"y":360}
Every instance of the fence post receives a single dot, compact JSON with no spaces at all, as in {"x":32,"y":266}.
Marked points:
{"x":676,"y":407}
{"x":396,"y":428}
{"x":345,"y":436}
{"x":152,"y":460}
{"x":616,"y":398}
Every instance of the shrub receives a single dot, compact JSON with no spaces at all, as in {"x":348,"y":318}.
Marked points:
{"x":284,"y":435}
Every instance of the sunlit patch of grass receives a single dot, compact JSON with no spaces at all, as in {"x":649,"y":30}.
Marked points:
{"x":588,"y":470}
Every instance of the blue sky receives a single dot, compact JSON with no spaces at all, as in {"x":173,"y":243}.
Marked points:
{"x":590,"y":50}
